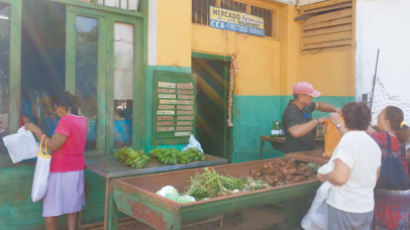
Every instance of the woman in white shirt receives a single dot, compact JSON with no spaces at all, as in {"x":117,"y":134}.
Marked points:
{"x":357,"y":160}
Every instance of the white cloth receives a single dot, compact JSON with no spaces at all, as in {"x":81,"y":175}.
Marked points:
{"x":316,"y":218}
{"x":363,"y":156}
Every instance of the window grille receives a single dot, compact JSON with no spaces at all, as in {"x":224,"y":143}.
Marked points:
{"x":233,"y":5}
{"x":267,"y":16}
{"x":200,"y":11}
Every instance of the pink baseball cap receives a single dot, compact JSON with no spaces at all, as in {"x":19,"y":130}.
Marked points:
{"x":305,"y":88}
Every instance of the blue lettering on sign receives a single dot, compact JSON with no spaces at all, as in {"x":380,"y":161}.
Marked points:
{"x":234,"y":27}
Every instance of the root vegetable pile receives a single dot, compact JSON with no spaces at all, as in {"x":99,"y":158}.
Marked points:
{"x":284,"y":171}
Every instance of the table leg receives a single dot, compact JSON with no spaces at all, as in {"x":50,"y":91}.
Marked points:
{"x":112,"y":214}
{"x":177,"y":223}
{"x":261,"y":150}
{"x":107,"y":193}
{"x":296,"y":209}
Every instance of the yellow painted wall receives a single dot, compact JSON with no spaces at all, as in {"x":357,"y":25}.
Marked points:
{"x":174,"y":32}
{"x":331,"y":72}
{"x":267,"y":66}
{"x":258,"y":58}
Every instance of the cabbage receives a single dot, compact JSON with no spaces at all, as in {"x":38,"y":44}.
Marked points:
{"x":168,"y":192}
{"x":172,"y":196}
{"x":185,"y":199}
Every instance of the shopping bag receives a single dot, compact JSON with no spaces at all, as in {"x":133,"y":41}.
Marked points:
{"x":393,"y":175}
{"x":316,"y":217}
{"x":332,"y":136}
{"x":21,"y":145}
{"x":41,"y":172}
{"x":193,"y":143}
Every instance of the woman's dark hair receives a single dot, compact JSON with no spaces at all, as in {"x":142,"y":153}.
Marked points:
{"x":395,"y":116}
{"x":356,"y":115}
{"x":67,"y":100}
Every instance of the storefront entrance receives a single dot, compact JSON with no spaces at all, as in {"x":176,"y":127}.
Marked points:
{"x":212,"y":103}
{"x":47,"y":47}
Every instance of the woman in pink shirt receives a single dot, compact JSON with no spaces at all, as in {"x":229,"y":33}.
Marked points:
{"x":65,"y":189}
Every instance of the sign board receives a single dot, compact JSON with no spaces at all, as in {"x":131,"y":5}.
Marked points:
{"x":235,"y":21}
{"x":173,"y":109}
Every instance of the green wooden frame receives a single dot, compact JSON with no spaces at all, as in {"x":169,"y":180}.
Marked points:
{"x":141,"y":13}
{"x":70,"y":79}
{"x":14,"y":64}
{"x":177,"y":77}
{"x":14,"y":72}
{"x":228,"y":137}
{"x":139,"y":82}
{"x":107,"y":17}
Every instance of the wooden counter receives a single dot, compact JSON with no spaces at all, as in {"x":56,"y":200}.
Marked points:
{"x":278,"y":143}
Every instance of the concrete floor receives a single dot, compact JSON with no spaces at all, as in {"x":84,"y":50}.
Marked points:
{"x":267,"y":217}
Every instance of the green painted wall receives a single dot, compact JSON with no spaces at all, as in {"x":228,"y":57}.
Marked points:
{"x":253,"y":116}
{"x":17,"y":211}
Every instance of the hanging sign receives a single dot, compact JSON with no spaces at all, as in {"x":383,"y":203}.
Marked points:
{"x":173,"y":110}
{"x":235,"y":21}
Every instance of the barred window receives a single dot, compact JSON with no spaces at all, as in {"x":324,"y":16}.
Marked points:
{"x":267,"y":16}
{"x":200,"y":11}
{"x":233,"y":5}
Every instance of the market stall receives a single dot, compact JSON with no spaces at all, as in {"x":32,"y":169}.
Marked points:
{"x":110,"y":168}
{"x":135,"y":196}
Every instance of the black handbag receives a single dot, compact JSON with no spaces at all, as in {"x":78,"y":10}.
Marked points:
{"x":393,"y":175}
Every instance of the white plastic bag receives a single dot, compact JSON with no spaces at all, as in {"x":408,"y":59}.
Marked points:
{"x":193,"y":143}
{"x":316,"y":218}
{"x":21,"y":145}
{"x":40,"y":179}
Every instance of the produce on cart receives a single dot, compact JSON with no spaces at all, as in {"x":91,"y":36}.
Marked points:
{"x":132,"y":158}
{"x":211,"y":184}
{"x":285,"y":171}
{"x":135,"y":196}
{"x":172,"y":193}
{"x":173,"y":156}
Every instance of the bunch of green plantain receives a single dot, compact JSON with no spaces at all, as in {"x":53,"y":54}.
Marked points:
{"x":173,"y":156}
{"x":166,"y":156}
{"x":132,"y":158}
{"x":189,"y":155}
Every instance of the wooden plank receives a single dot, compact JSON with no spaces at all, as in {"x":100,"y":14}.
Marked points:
{"x":328,"y":16}
{"x":328,"y":37}
{"x":323,"y":4}
{"x":322,"y":45}
{"x":333,"y":22}
{"x":314,"y":51}
{"x":333,"y":7}
{"x":334,"y":29}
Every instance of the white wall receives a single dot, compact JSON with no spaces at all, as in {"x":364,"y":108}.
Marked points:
{"x":384,"y":24}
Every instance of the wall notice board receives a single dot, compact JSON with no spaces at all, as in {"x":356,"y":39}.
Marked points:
{"x":174,"y":107}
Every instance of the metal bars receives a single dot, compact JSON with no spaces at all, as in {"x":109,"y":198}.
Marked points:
{"x":267,"y":16}
{"x":200,"y":11}
{"x":234,"y":5}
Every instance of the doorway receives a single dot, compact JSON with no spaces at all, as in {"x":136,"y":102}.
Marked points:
{"x":212,"y":74}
